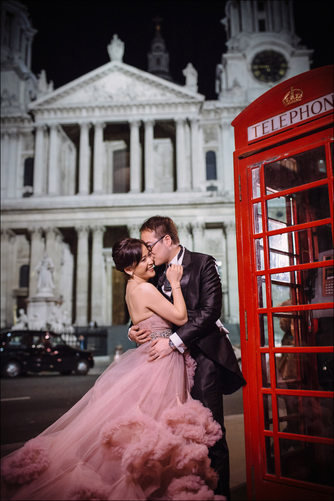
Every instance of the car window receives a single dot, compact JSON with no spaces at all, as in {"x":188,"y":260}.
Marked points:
{"x":16,"y":340}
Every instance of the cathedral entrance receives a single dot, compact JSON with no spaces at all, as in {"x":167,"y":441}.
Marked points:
{"x":284,"y":217}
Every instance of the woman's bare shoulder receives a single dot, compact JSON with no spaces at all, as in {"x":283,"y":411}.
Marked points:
{"x":146,"y":287}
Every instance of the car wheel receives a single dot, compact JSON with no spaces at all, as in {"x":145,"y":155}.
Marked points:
{"x":12,"y":369}
{"x":82,"y":367}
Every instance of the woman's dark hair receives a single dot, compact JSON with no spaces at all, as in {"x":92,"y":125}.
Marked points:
{"x":127,"y":252}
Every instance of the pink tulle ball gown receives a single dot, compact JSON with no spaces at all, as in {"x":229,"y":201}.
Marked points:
{"x":137,"y":434}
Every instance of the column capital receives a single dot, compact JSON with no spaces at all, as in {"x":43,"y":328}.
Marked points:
{"x":97,"y":228}
{"x":133,"y":230}
{"x":85,"y":124}
{"x":99,"y":124}
{"x":7,"y":234}
{"x":134,"y":122}
{"x":35,"y":230}
{"x":41,"y":126}
{"x":149,"y":122}
{"x":180,"y":120}
{"x":82,"y":230}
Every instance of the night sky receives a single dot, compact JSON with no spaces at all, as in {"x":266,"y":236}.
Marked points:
{"x":73,"y":35}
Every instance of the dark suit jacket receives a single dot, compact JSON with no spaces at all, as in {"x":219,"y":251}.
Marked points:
{"x":201,"y":287}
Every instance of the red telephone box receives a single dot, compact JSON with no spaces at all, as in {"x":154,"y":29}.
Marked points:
{"x":284,"y":218}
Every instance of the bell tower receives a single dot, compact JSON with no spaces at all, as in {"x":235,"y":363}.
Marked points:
{"x":158,"y":57}
{"x":262,"y":49}
{"x":18,"y":83}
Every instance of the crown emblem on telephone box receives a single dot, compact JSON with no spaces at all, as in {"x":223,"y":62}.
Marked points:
{"x":293,"y":96}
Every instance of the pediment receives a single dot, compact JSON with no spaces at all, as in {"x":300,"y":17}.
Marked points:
{"x":116,"y":83}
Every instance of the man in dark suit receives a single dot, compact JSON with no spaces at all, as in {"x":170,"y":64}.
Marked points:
{"x":217,"y":370}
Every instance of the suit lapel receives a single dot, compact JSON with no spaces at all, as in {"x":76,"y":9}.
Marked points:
{"x":187,"y":270}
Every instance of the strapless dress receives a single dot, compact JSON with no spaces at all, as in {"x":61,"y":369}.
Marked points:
{"x":136,"y":434}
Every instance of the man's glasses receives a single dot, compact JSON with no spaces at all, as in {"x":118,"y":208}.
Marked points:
{"x":150,"y":246}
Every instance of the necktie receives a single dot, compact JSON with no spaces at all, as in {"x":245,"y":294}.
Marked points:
{"x":163,"y":281}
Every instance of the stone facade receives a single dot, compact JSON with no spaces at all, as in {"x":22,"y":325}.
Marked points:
{"x":85,"y":164}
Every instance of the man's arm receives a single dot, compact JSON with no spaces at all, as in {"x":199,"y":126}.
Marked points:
{"x":209,"y":305}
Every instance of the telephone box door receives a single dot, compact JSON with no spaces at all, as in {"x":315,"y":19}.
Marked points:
{"x":284,"y":220}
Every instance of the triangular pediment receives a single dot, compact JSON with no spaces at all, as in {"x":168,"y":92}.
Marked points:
{"x":116,"y":83}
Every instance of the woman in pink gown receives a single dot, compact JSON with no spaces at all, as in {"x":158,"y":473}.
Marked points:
{"x":137,"y":434}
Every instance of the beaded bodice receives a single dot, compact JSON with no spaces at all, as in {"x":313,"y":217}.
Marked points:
{"x":158,"y":326}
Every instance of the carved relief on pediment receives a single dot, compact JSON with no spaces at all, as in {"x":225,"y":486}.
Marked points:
{"x":117,"y":87}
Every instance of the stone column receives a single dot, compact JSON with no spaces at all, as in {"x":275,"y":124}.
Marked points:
{"x":227,"y":156}
{"x":4,"y":163}
{"x":7,"y":241}
{"x":53,"y":240}
{"x":197,"y":172}
{"x":37,"y":249}
{"x":133,"y":230}
{"x":135,"y":160}
{"x":198,"y":234}
{"x":54,"y":167}
{"x":82,"y":277}
{"x":182,"y":182}
{"x":232,"y":272}
{"x":12,"y":164}
{"x":149,"y":163}
{"x":98,"y":158}
{"x":97,"y":275}
{"x":84,"y":159}
{"x":39,"y":163}
{"x":108,"y":264}
{"x":185,"y":235}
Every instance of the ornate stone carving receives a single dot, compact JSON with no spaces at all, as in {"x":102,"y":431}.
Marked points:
{"x":116,"y":49}
{"x":191,"y":77}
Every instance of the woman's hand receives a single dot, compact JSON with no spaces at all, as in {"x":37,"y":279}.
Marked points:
{"x":159,"y":349}
{"x":174,"y":273}
{"x":139,"y":336}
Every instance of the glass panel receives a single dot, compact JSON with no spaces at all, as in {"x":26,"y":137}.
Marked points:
{"x":298,"y":247}
{"x":259,"y":255}
{"x":302,"y":287}
{"x":310,"y":462}
{"x":298,"y":208}
{"x":268,"y":412}
{"x":256,"y":182}
{"x":257,"y":217}
{"x":269,"y":444}
{"x":305,"y":415}
{"x":304,"y":371}
{"x":263,"y":330}
{"x":261,"y":291}
{"x":296,"y":170}
{"x":265,"y":370}
{"x":303,"y":328}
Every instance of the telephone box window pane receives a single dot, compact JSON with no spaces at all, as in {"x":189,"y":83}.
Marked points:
{"x":259,"y":256}
{"x":268,"y":412}
{"x":304,"y":371}
{"x":305,"y":415}
{"x":263,"y":329}
{"x":304,"y":328}
{"x":302,"y":168}
{"x":297,"y":208}
{"x":265,"y":370}
{"x":298,"y":247}
{"x":307,"y":461}
{"x":269,"y":444}
{"x":261,"y":292}
{"x":256,"y":182}
{"x":257,"y":217}
{"x":284,"y":288}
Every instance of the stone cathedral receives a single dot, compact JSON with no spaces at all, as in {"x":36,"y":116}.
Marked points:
{"x":85,"y":164}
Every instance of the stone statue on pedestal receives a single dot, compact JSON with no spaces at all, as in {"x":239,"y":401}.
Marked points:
{"x":45,"y":269}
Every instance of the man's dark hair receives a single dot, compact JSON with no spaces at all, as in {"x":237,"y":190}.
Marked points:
{"x":127,"y":252}
{"x":161,"y":226}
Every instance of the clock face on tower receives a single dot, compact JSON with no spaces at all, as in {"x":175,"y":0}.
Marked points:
{"x":269,"y":66}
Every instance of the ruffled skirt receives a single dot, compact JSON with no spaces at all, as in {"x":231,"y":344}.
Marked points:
{"x":137,"y":434}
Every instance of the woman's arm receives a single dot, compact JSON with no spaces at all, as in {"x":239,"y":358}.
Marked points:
{"x":175,"y":312}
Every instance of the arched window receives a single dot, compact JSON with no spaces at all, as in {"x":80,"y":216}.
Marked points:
{"x":28,"y":177}
{"x":24,"y":276}
{"x":211,"y":167}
